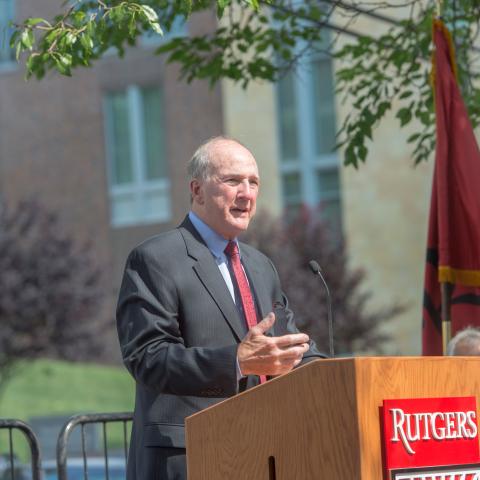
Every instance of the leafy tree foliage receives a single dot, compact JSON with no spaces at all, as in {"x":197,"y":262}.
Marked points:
{"x":260,"y":40}
{"x":291,"y":246}
{"x":49,"y":290}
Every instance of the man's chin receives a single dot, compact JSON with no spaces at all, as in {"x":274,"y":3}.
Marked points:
{"x":238,"y":227}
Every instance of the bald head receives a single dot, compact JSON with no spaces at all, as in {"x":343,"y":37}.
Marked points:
{"x":465,"y":343}
{"x":207,"y":156}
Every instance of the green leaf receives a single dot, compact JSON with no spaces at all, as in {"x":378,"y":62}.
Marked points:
{"x":155,"y":26}
{"x":382,"y":108}
{"x":366,"y":130}
{"x":406,"y":94}
{"x":52,"y":35}
{"x":152,"y":18}
{"x":34,"y":21}
{"x":362,"y":152}
{"x":350,"y":157}
{"x":253,"y":4}
{"x":78,"y":16}
{"x":167,"y":47}
{"x":132,"y":26}
{"x":150,"y":13}
{"x":70,"y":38}
{"x":424,"y":117}
{"x":18,"y":50}
{"x":91,"y":28}
{"x":66,"y":60}
{"x":86,"y":41}
{"x":404,"y":115}
{"x":14,"y":38}
{"x":186,"y":6}
{"x":27,"y":39}
{"x":221,"y":5}
{"x":63,"y":64}
{"x":29,"y":64}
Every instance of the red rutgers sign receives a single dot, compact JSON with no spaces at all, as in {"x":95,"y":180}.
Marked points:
{"x":431,"y":438}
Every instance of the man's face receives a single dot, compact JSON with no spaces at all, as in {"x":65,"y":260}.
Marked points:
{"x":226,"y":200}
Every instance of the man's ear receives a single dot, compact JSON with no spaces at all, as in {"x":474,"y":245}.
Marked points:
{"x":196,"y":191}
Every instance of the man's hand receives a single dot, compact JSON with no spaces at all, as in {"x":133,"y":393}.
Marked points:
{"x":262,"y":355}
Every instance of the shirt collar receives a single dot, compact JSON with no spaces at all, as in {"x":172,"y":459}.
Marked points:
{"x":215,"y":242}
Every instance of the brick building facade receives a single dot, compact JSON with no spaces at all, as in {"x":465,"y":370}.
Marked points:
{"x":54,"y":144}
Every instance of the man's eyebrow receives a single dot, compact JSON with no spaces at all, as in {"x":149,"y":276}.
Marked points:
{"x":224,"y":176}
{"x":231,"y":175}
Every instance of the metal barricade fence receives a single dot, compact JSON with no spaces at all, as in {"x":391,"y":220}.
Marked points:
{"x":10,"y":425}
{"x":82,"y":420}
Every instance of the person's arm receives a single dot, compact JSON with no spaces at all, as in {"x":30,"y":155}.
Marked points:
{"x":152,"y":346}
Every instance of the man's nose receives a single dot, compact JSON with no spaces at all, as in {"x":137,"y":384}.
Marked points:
{"x":246,"y":190}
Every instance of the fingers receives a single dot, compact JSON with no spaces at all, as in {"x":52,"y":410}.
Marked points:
{"x":290,"y":366}
{"x":297,"y":362}
{"x":293,"y":353}
{"x":288,"y":361}
{"x":259,"y":354}
{"x":261,"y":327}
{"x":286,"y":341}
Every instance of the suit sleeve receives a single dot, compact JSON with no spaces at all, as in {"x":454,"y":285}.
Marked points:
{"x":151,"y":343}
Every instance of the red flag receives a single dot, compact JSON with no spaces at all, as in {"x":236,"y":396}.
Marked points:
{"x":453,"y":245}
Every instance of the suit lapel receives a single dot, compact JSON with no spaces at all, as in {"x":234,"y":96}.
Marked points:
{"x":210,"y":276}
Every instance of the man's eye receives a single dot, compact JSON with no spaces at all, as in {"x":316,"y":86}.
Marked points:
{"x":232,"y":181}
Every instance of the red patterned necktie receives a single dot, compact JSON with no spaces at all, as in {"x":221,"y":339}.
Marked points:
{"x":246,"y":297}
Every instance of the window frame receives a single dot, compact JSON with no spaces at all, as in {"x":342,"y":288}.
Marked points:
{"x":308,"y":163}
{"x":140,"y":187}
{"x":7,"y":64}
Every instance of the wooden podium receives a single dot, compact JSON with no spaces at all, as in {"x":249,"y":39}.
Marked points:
{"x":320,"y":421}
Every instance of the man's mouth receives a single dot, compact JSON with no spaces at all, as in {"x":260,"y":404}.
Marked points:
{"x":239,"y":210}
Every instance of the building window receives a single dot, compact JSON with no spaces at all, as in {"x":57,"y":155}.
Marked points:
{"x":306,"y":118}
{"x":138,"y":173}
{"x":6,"y":16}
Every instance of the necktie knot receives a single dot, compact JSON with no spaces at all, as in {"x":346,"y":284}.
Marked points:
{"x":231,"y":249}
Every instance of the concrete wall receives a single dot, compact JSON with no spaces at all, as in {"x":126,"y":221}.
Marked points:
{"x":249,"y":115}
{"x":385,"y":213}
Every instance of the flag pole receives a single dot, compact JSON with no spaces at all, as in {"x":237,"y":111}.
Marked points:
{"x":446,"y":291}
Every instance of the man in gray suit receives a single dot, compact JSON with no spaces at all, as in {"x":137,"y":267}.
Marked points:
{"x":183,"y":311}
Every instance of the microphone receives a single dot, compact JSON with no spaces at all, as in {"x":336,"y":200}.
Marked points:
{"x":315,"y":268}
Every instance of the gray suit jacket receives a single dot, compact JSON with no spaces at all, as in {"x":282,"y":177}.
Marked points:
{"x":179,"y":331}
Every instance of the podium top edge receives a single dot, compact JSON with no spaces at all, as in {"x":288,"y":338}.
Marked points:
{"x":390,"y":358}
